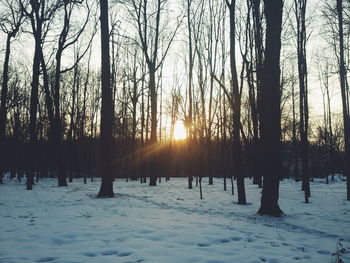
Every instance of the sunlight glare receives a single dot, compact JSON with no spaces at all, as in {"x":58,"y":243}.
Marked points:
{"x":179,"y":131}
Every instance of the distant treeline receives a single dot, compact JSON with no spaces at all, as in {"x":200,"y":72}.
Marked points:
{"x":81,"y":158}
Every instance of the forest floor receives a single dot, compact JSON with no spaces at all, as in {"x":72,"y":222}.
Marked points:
{"x":169,"y":224}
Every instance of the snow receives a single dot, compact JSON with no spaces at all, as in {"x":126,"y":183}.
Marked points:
{"x":169,"y":223}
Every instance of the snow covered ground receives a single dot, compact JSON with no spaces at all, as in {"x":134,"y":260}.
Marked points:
{"x":169,"y":223}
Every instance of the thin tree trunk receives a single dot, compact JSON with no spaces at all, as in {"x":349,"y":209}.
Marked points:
{"x":34,"y":109}
{"x":236,"y":109}
{"x":153,"y":140}
{"x":190,"y":103}
{"x":300,"y":10}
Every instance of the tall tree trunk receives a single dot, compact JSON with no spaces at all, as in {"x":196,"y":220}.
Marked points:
{"x":270,"y":112}
{"x":258,"y":39}
{"x":344,"y":96}
{"x":134,"y":99}
{"x":190,"y":103}
{"x":106,"y":161}
{"x":3,"y":107}
{"x":5,"y":78}
{"x":236,"y":109}
{"x":153,"y":140}
{"x":57,"y":131}
{"x":300,"y":10}
{"x":294,"y":137}
{"x":331,"y":144}
{"x":33,"y":111}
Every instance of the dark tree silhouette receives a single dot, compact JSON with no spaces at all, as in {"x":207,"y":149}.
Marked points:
{"x":40,"y":14}
{"x":190,"y":101}
{"x":255,"y":104}
{"x":270,"y":113}
{"x":300,"y":11}
{"x":344,"y":95}
{"x":150,"y":33}
{"x":64,"y":41}
{"x":236,"y":109}
{"x":107,"y":112}
{"x":10,"y":24}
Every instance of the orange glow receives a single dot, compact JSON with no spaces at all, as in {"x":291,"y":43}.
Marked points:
{"x":179,"y":131}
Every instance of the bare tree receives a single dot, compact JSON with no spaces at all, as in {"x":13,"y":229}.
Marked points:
{"x":300,"y":11}
{"x":254,"y":97}
{"x":150,"y":31}
{"x":191,"y":56}
{"x":236,"y":108}
{"x":10,"y":23}
{"x":270,"y":113}
{"x":107,"y":111}
{"x":344,"y":88}
{"x":65,"y":40}
{"x":333,"y":13}
{"x":40,"y":13}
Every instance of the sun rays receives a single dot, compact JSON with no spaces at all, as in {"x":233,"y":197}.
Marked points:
{"x":179,"y":131}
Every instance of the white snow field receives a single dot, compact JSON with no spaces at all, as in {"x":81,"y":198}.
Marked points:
{"x":169,"y":223}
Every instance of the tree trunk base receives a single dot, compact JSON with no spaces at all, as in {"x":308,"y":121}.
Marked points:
{"x":153,"y":183}
{"x":106,"y":190}
{"x":190,"y":179}
{"x":271,"y":211}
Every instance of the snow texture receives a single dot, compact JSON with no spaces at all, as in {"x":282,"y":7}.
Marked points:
{"x":169,"y":224}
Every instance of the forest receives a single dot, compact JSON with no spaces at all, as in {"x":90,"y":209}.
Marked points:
{"x":124,"y":97}
{"x":63,"y":116}
{"x":183,"y":88}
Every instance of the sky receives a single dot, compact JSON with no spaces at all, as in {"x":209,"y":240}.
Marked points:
{"x":22,"y":50}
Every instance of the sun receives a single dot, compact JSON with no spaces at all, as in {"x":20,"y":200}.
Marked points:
{"x":179,"y":131}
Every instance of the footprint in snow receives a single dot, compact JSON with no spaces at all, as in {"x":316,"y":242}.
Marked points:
{"x":203,"y":245}
{"x":46,"y":259}
{"x":124,"y":254}
{"x":109,"y":252}
{"x":57,"y":241}
{"x":224,"y":240}
{"x":90,"y":254}
{"x":249,"y":239}
{"x":275,"y":245}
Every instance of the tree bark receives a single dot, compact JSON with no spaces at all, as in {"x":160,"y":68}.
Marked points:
{"x":236,"y":110}
{"x":5,"y":78}
{"x":106,"y":189}
{"x":344,"y":96}
{"x":190,"y":113}
{"x":3,"y":107}
{"x":300,"y":10}
{"x":270,"y":113}
{"x":34,"y":105}
{"x":153,"y":139}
